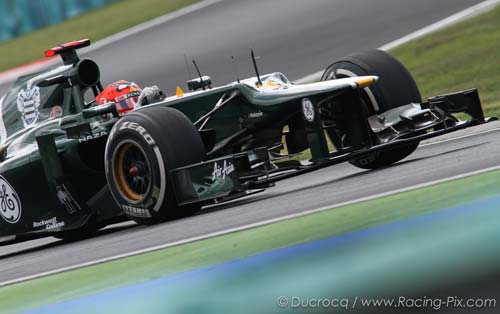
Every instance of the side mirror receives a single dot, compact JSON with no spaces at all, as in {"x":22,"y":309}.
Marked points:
{"x":110,"y":107}
{"x":199,"y":83}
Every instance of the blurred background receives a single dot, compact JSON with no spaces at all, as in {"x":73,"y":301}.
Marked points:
{"x":18,"y":17}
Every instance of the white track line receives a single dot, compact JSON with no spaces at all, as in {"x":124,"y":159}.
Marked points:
{"x":12,"y":74}
{"x":453,"y":19}
{"x":479,"y":8}
{"x":459,"y":137}
{"x":245,"y":227}
{"x":150,"y":24}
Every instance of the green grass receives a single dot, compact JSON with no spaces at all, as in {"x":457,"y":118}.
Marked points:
{"x":459,"y":57}
{"x":94,"y":279}
{"x":95,"y":25}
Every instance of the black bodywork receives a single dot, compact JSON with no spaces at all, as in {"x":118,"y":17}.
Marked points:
{"x":52,"y":169}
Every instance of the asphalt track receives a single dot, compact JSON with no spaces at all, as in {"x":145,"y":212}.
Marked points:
{"x":296,"y":37}
{"x":250,"y":284}
{"x":293,"y":36}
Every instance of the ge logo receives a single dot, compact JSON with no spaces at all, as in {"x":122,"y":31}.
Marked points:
{"x":10,"y":205}
{"x":308,"y":109}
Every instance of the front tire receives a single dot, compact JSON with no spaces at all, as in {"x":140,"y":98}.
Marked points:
{"x":395,"y":88}
{"x":142,"y":148}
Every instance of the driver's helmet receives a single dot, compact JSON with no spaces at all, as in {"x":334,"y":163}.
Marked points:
{"x":124,"y":93}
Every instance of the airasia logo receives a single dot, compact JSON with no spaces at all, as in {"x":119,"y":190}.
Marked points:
{"x":221,"y":172}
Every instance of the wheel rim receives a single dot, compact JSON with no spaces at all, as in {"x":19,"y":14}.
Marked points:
{"x":368,"y":93}
{"x":132,"y":172}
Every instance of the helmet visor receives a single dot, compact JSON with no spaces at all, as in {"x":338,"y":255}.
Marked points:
{"x":126,"y":104}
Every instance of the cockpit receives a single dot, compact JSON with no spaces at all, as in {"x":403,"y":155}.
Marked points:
{"x":269,"y":82}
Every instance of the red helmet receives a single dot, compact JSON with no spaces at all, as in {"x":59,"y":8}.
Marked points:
{"x":124,"y":93}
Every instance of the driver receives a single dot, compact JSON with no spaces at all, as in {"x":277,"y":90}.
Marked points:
{"x":128,"y":95}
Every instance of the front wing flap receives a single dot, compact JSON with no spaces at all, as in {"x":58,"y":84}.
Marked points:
{"x":219,"y":178}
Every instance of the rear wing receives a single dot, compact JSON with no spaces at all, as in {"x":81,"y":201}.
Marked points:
{"x":68,"y":50}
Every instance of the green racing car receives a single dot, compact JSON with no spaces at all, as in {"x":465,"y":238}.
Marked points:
{"x":71,"y":164}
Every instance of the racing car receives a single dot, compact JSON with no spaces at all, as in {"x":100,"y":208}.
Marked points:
{"x":70,"y":166}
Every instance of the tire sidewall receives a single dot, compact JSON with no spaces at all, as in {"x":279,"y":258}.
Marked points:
{"x":136,"y":131}
{"x":395,"y":80}
{"x":344,"y":69}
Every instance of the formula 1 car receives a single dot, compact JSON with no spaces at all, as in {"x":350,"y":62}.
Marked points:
{"x":69,"y":167}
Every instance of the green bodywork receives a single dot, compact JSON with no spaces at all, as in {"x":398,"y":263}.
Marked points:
{"x":53,"y":140}
{"x":49,"y":158}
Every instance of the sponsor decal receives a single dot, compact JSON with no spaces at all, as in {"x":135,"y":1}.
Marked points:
{"x":308,"y":109}
{"x":49,"y":224}
{"x":139,"y":129}
{"x":254,"y":115}
{"x":126,"y":96}
{"x":136,"y":211}
{"x":56,"y":112}
{"x":222,"y":171}
{"x":10,"y":205}
{"x":86,"y":138}
{"x":3,"y":130}
{"x":28,"y":101}
{"x":66,"y":199}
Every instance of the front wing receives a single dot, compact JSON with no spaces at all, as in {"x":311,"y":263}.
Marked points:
{"x":236,"y":175}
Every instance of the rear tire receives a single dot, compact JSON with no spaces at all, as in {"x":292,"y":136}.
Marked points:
{"x":142,"y":148}
{"x":395,"y":88}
